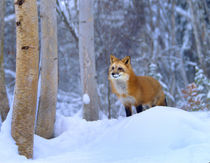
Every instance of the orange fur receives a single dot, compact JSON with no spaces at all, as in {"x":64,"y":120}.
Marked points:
{"x":131,"y":89}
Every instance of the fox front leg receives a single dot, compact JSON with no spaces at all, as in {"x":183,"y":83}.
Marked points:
{"x":139,"y":108}
{"x":128,"y":111}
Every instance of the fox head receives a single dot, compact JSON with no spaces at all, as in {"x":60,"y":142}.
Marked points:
{"x":119,"y":68}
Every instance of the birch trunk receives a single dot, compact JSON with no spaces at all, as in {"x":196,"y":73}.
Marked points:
{"x":26,"y":76}
{"x":49,"y":70}
{"x":87,"y":60}
{"x":4,"y":104}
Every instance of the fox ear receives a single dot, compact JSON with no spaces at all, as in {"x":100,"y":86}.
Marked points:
{"x":126,"y":60}
{"x":112,"y":58}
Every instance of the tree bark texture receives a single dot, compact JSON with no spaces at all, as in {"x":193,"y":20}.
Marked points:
{"x":87,"y":59}
{"x":49,"y":70}
{"x":4,"y":104}
{"x":27,"y":58}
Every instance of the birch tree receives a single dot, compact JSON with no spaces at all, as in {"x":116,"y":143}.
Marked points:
{"x":4,"y":105}
{"x":26,"y":76}
{"x":87,"y":61}
{"x":49,"y":69}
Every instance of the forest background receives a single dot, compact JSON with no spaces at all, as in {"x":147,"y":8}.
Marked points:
{"x":167,"y":39}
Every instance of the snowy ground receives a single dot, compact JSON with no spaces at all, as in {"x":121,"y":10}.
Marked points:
{"x":158,"y":135}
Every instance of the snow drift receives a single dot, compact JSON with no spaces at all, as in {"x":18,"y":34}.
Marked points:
{"x":159,"y":135}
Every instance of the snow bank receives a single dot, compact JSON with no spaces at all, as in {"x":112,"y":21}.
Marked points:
{"x":158,"y":135}
{"x":8,"y":149}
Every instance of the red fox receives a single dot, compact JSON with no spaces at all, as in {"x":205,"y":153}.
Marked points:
{"x":134,"y":90}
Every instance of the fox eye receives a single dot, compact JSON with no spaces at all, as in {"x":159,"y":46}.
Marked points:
{"x":113,"y":68}
{"x":120,"y":69}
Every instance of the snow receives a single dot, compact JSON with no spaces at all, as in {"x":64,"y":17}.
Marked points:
{"x":9,"y":18}
{"x":68,"y":103}
{"x":10,"y":73}
{"x":157,"y":135}
{"x":183,"y":12}
{"x":86,"y":98}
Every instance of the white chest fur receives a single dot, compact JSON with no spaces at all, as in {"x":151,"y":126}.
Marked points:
{"x":120,"y":86}
{"x":128,"y":100}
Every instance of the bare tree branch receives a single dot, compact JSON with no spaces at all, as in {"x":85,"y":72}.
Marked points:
{"x":71,"y":29}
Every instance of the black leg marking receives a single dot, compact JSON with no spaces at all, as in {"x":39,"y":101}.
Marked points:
{"x":153,"y":105}
{"x":139,"y":108}
{"x":128,"y":111}
{"x":166,"y":102}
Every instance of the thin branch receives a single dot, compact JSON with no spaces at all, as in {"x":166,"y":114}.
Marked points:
{"x":182,"y":12}
{"x":61,"y":13}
